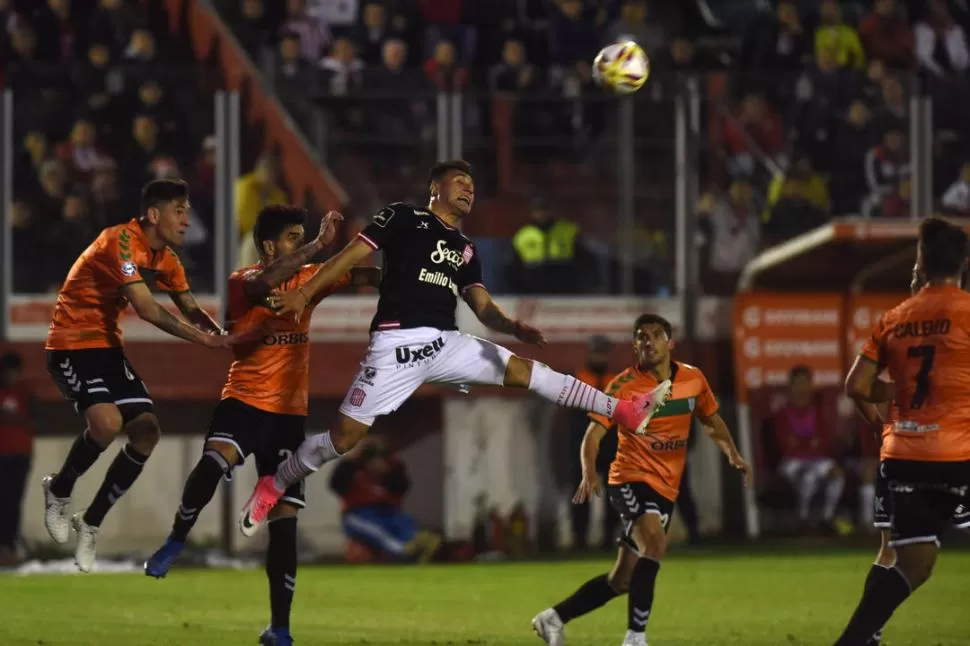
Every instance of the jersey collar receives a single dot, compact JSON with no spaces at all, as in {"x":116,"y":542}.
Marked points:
{"x":674,"y":368}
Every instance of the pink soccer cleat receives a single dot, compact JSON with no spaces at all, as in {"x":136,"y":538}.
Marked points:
{"x":635,"y":414}
{"x":264,"y":498}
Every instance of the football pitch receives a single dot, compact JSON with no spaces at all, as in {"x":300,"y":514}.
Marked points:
{"x":702,"y":598}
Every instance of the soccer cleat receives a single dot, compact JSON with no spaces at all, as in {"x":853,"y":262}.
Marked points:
{"x":87,"y":540}
{"x":549,"y":627}
{"x":55,"y":513}
{"x":634,"y":639}
{"x":260,"y":503}
{"x":275,"y":637}
{"x":635,"y":414}
{"x":162,"y":560}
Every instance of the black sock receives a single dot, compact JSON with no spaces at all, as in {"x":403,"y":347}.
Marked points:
{"x":641,"y":593}
{"x":886,"y":588}
{"x":84,"y":452}
{"x":591,"y":595}
{"x":122,"y":473}
{"x":200,"y":486}
{"x":281,"y":569}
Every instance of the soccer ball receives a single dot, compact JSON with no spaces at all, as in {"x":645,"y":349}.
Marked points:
{"x":621,"y":67}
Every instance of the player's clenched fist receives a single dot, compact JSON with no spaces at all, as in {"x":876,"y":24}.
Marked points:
{"x":328,"y":228}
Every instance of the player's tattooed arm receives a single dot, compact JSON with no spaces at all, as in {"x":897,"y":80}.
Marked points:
{"x":194,"y":313}
{"x":258,"y":285}
{"x":718,"y":431}
{"x":494,"y":318}
{"x":148,"y":309}
{"x":366,"y":276}
{"x":295,"y":301}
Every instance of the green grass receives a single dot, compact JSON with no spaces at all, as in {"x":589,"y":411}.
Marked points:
{"x":737,"y":598}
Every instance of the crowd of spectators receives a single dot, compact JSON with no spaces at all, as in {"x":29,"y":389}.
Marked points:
{"x":103,"y":102}
{"x":822,"y":117}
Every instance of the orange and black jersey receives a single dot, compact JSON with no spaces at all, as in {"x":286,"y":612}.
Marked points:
{"x":924,"y":342}
{"x":271,"y":374}
{"x":90,"y":303}
{"x":658,"y":457}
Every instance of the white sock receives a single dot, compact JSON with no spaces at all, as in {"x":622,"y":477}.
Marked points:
{"x":315,"y":451}
{"x":867,"y":493}
{"x":570,"y":392}
{"x":807,"y":487}
{"x":833,"y":494}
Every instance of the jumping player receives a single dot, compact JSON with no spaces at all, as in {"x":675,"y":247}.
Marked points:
{"x":414,"y":338}
{"x":644,"y":480}
{"x":882,"y":504}
{"x":85,"y":355}
{"x":925,"y":453}
{"x":264,"y":401}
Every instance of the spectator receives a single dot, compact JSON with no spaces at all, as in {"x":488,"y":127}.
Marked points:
{"x":756,"y":131}
{"x":897,"y":203}
{"x":312,"y":32}
{"x":825,"y":92}
{"x":106,"y":197}
{"x":886,"y":164}
{"x":806,"y":449}
{"x":57,"y":35}
{"x":29,"y":250}
{"x":16,"y":449}
{"x":870,"y":90}
{"x":97,"y":81}
{"x":956,"y":199}
{"x":254,"y":191}
{"x":143,"y":147}
{"x":633,"y":25}
{"x":113,"y":22}
{"x":798,"y":201}
{"x":296,"y":80}
{"x":597,"y":374}
{"x":372,"y":32}
{"x":49,"y":203}
{"x":730,"y":233}
{"x":342,"y":70}
{"x":545,"y":260}
{"x":204,"y":175}
{"x":847,"y":158}
{"x":514,"y":73}
{"x":371,"y":484}
{"x":773,"y":44}
{"x":34,"y":152}
{"x":833,"y":34}
{"x":941,"y":44}
{"x":79,"y":153}
{"x":886,"y":35}
{"x":893,"y":104}
{"x":140,"y":58}
{"x":442,"y":19}
{"x":251,"y":29}
{"x":443,"y":71}
{"x":572,"y":34}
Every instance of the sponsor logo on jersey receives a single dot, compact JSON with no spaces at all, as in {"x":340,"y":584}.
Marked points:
{"x":289,"y":338}
{"x":439,"y":278}
{"x":383,"y":217}
{"x":367,"y":375}
{"x":668,"y":445}
{"x":410,"y":355}
{"x":454,"y":258}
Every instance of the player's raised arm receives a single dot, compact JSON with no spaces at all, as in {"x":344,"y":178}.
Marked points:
{"x":591,"y":484}
{"x":259,"y":284}
{"x":148,"y":309}
{"x":718,"y":431}
{"x":329,"y":273}
{"x":494,"y":317}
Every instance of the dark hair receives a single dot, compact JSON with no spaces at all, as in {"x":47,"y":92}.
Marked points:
{"x":162,"y":191}
{"x":273,"y":219}
{"x":653,"y":319}
{"x":801,"y":370}
{"x":943,"y":248}
{"x":441,"y":169}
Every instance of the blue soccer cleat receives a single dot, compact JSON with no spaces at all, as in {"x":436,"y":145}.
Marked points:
{"x":160,"y":562}
{"x":275,"y":637}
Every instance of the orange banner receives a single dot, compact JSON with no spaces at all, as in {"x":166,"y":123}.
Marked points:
{"x":775,"y":332}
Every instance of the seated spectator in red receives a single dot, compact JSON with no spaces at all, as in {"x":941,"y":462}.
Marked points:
{"x":756,"y":122}
{"x":806,"y":447}
{"x":79,"y":153}
{"x":897,"y":203}
{"x":371,"y":484}
{"x":443,"y":69}
{"x":886,"y":35}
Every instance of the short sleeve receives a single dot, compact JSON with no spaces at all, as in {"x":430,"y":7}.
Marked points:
{"x":470,"y":274}
{"x":874,"y":347}
{"x":172,"y":277}
{"x":613,"y":389}
{"x":384,"y":226}
{"x":119,"y":260}
{"x":706,"y":404}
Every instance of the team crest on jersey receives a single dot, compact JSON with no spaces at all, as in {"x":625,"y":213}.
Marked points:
{"x":357,"y":396}
{"x":467,"y":254}
{"x":383,"y":217}
{"x":128,"y":268}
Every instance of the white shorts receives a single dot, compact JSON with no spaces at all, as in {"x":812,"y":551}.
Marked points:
{"x":796,"y":468}
{"x":398,"y":362}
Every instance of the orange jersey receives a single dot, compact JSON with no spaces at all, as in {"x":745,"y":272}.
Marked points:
{"x":657,"y":458}
{"x":271,"y":374}
{"x":90,"y":302}
{"x":924,"y":342}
